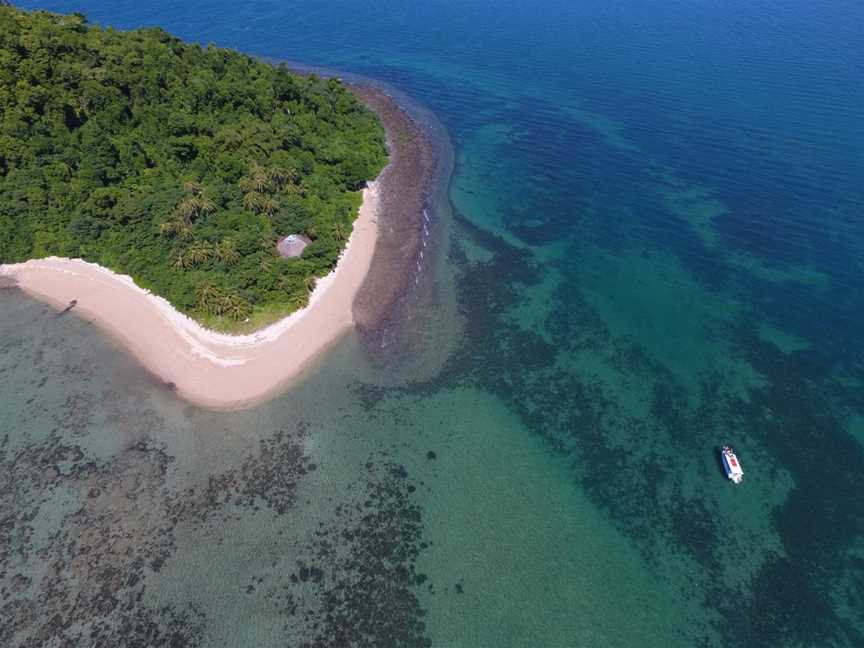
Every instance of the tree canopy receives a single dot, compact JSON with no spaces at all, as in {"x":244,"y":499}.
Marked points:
{"x":178,"y":164}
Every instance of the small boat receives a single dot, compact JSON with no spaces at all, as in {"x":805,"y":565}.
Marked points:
{"x":732,"y":465}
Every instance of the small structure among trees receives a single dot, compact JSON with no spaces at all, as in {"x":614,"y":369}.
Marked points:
{"x":292,"y":245}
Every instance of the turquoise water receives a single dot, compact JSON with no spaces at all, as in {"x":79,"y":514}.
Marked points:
{"x":653,"y":245}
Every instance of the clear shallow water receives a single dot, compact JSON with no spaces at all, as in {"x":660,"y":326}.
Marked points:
{"x":656,"y":248}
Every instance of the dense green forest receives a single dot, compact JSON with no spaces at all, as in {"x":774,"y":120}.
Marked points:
{"x":177,"y":164}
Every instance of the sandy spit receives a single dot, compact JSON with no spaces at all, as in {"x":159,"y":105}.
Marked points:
{"x":207,"y":368}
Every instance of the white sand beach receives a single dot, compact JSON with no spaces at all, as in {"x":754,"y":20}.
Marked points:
{"x":207,"y":368}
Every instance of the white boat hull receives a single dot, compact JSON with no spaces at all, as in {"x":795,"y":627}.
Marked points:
{"x":732,"y":466}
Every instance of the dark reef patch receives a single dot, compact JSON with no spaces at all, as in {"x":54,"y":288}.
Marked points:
{"x":120,"y":530}
{"x":91,"y":571}
{"x":269,"y":477}
{"x":371,"y":600}
{"x":354,"y":584}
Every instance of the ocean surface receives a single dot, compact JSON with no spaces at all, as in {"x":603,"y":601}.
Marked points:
{"x":652,"y":244}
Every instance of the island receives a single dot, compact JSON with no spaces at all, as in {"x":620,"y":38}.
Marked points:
{"x":218,"y":215}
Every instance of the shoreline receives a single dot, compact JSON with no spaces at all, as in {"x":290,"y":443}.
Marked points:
{"x":205,"y":367}
{"x":223,"y":371}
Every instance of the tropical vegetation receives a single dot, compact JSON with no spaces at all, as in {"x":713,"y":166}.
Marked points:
{"x":178,"y":164}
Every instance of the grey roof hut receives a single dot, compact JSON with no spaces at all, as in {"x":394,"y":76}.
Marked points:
{"x":292,"y":245}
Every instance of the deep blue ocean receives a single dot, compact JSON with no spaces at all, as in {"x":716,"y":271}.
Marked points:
{"x":653,"y":244}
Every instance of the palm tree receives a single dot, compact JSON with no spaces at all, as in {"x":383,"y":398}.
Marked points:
{"x":280,"y":177}
{"x":186,"y":210}
{"x":247,"y":185}
{"x":192,"y":187}
{"x":175,"y":227}
{"x":192,"y":207}
{"x":247,"y":137}
{"x":199,"y":252}
{"x":267,"y":264}
{"x":339,"y":231}
{"x":253,"y":201}
{"x":179,"y":261}
{"x":257,"y":138}
{"x":235,"y":307}
{"x":209,"y":298}
{"x":294,"y":188}
{"x":260,"y":176}
{"x":204,"y":205}
{"x":81,"y":106}
{"x":258,"y":180}
{"x":227,"y":252}
{"x":268,"y":206}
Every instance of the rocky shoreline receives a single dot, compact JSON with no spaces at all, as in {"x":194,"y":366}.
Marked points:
{"x":405,"y":186}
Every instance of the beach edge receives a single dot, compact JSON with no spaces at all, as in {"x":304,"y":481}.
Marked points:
{"x":205,"y":367}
